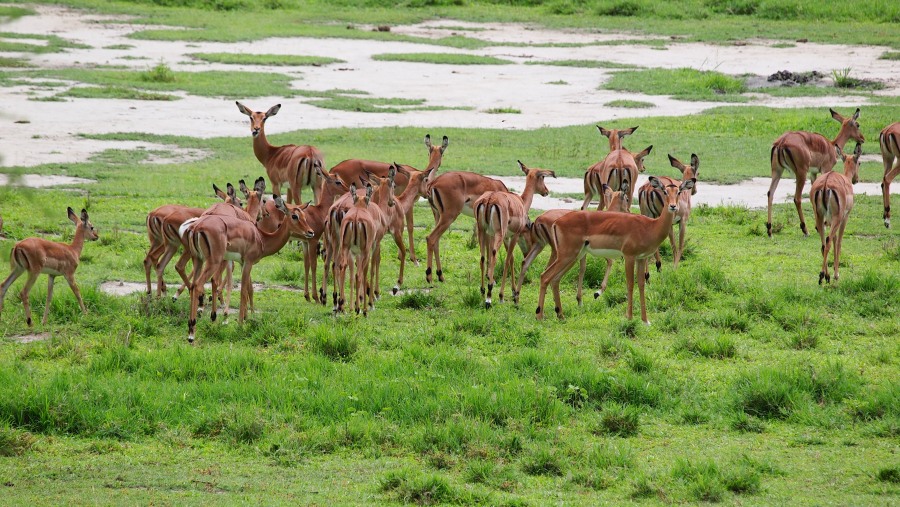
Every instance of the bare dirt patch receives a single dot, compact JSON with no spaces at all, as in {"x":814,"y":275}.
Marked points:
{"x":42,"y":180}
{"x":29,"y":338}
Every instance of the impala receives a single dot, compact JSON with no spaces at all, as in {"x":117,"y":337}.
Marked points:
{"x":539,"y":236}
{"x":651,"y":199}
{"x":831,"y":196}
{"x":356,"y":242}
{"x":449,"y":195}
{"x":381,"y":200}
{"x":889,"y":139}
{"x":291,"y":164}
{"x":610,"y":235}
{"x":799,"y":151}
{"x":500,"y":218}
{"x":416,"y":187}
{"x":615,"y":136}
{"x":355,"y":169}
{"x":616,"y":169}
{"x":37,"y":256}
{"x":215,"y":239}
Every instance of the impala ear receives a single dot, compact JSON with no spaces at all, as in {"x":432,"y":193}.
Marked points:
{"x":230,"y":190}
{"x":242,"y":108}
{"x":244,"y":189}
{"x":674,"y":162}
{"x":644,"y":153}
{"x":279,"y":205}
{"x":605,"y":132}
{"x":522,"y":166}
{"x":624,"y":187}
{"x":627,"y":132}
{"x":402,"y":170}
{"x":550,"y":173}
{"x":837,"y":116}
{"x":392,"y":173}
{"x":368,"y":193}
{"x":857,"y":152}
{"x":695,"y":163}
{"x":428,"y":141}
{"x":655,"y":183}
{"x":445,"y":143}
{"x":856,"y":114}
{"x":273,"y":110}
{"x":687,"y":184}
{"x":219,"y":193}
{"x":260,"y":185}
{"x":72,"y":216}
{"x":84,"y":215}
{"x":840,"y":153}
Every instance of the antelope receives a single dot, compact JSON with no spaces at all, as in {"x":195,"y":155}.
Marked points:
{"x":215,"y":239}
{"x":539,"y":236}
{"x":799,"y":152}
{"x":831,"y":197}
{"x":291,"y":164}
{"x":617,"y":168}
{"x":355,"y":169}
{"x":416,"y":188}
{"x":610,"y":235}
{"x":382,"y":199}
{"x":889,"y":139}
{"x":500,"y":218}
{"x":650,"y":200}
{"x":615,"y":136}
{"x":449,"y":195}
{"x":356,"y":240}
{"x":39,"y":256}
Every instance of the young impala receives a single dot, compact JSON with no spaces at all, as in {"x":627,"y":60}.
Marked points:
{"x":651,"y":201}
{"x":618,"y":169}
{"x":37,"y":256}
{"x":831,"y":197}
{"x":291,"y":164}
{"x":610,"y":235}
{"x":805,"y":153}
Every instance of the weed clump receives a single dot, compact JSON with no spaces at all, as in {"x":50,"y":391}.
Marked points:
{"x":419,"y":300}
{"x":889,"y":474}
{"x":14,"y":442}
{"x":543,"y":461}
{"x":161,"y":73}
{"x":336,"y":343}
{"x":619,"y":420}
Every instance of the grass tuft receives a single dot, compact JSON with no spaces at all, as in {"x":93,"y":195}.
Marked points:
{"x":335,"y":342}
{"x":619,"y":420}
{"x":889,"y":474}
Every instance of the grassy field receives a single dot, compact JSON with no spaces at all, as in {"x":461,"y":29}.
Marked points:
{"x":754,"y":386}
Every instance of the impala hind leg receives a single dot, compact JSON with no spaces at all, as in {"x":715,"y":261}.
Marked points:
{"x":433,"y":243}
{"x":798,"y":201}
{"x":509,"y":266}
{"x":13,"y":276}
{"x":682,"y":230}
{"x":161,"y":264}
{"x":629,"y":286}
{"x":642,"y":267}
{"x":412,"y":245}
{"x":609,"y":265}
{"x":889,"y":175}
{"x":32,"y":277}
{"x":150,"y":262}
{"x":776,"y":177}
{"x":50,"y":280}
{"x":838,"y":243}
{"x":532,"y":254}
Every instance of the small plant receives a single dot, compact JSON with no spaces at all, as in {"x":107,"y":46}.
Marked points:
{"x":645,"y":487}
{"x":630,"y":104}
{"x":418,"y":300}
{"x":337,"y":343}
{"x":472,"y":299}
{"x":161,"y":73}
{"x":620,"y":420}
{"x":15,"y":442}
{"x":747,"y":423}
{"x":543,"y":462}
{"x":889,"y":474}
{"x":503,"y":110}
{"x":575,"y":396}
{"x":804,"y":339}
{"x":640,"y":362}
{"x":890,"y":55}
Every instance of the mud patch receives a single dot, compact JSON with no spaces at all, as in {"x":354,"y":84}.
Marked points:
{"x":42,"y":180}
{"x":30,"y":338}
{"x":122,"y":288}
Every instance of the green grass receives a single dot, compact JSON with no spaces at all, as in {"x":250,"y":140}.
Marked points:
{"x":590,"y":64}
{"x":503,"y":110}
{"x":13,"y":62}
{"x":683,"y":84}
{"x":441,"y":58}
{"x":272,"y":60}
{"x":890,"y":55}
{"x":52,"y":43}
{"x":630,"y":104}
{"x":113,"y":92}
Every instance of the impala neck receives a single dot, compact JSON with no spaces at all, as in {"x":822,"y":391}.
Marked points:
{"x":272,"y":242}
{"x":662,"y":224}
{"x":841,"y":139}
{"x":528,"y":194}
{"x":78,"y":241}
{"x":410,"y":194}
{"x":261,"y":147}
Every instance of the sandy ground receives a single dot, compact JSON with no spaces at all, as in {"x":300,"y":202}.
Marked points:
{"x":48,"y":131}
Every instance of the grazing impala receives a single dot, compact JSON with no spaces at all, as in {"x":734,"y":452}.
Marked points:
{"x":651,"y":201}
{"x":215,"y":239}
{"x":799,"y":152}
{"x":832,"y":199}
{"x":500,"y":218}
{"x":616,"y":169}
{"x":354,"y":169}
{"x":37,"y":256}
{"x":291,"y":164}
{"x":889,"y":139}
{"x":634,"y":237}
{"x":449,"y":195}
{"x":539,"y":236}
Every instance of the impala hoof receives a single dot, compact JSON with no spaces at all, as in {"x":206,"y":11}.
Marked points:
{"x":769,"y":229}
{"x":821,"y":277}
{"x":598,"y":293}
{"x":212,"y":317}
{"x":647,"y":322}
{"x":487,"y":304}
{"x":175,"y":298}
{"x":887,"y":223}
{"x":395,"y":290}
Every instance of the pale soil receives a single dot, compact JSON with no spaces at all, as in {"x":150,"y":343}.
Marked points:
{"x":39,"y":132}
{"x":33,"y":337}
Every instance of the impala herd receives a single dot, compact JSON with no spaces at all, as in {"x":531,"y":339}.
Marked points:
{"x":356,"y":203}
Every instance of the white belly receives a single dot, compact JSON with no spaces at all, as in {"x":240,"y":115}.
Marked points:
{"x":232,"y":256}
{"x":604,"y":252}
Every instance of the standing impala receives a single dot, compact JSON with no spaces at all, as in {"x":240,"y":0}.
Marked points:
{"x":616,"y":169}
{"x":831,"y":197}
{"x":291,"y":164}
{"x":651,"y":201}
{"x":539,"y":236}
{"x":416,"y":188}
{"x":500,"y":218}
{"x":889,"y":139}
{"x":611,"y":235}
{"x":354,"y":169}
{"x":37,"y":256}
{"x":799,"y":151}
{"x":615,"y":136}
{"x":449,"y":195}
{"x":215,"y":239}
{"x":356,"y":242}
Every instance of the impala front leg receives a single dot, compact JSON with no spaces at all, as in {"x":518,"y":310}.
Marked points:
{"x":629,"y":286}
{"x":886,"y":188}
{"x":776,"y":177}
{"x":798,"y":203}
{"x":642,"y":268}
{"x":50,"y":280}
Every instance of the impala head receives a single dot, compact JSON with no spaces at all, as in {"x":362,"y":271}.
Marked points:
{"x":849,"y":126}
{"x":417,"y":179}
{"x":296,"y":218}
{"x":257,"y":118}
{"x":538,"y":175}
{"x":435,"y":153}
{"x":255,"y":195}
{"x":640,"y":156}
{"x":82,"y":221}
{"x":672,"y":191}
{"x":383,"y":189}
{"x":851,"y":163}
{"x":618,"y":200}
{"x":615,"y":136}
{"x":687,"y":171}
{"x":332,"y":186}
